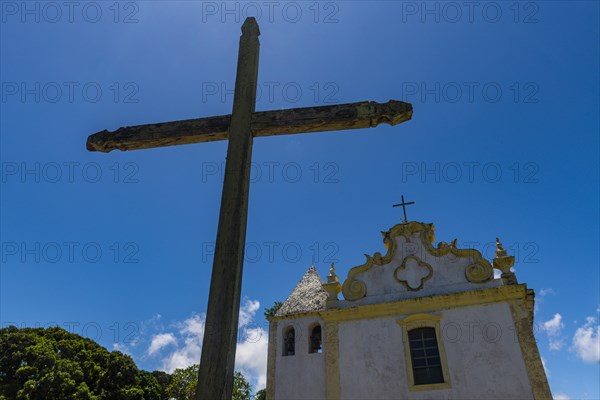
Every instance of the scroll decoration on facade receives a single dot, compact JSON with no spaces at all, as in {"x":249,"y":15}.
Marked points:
{"x":478,"y":271}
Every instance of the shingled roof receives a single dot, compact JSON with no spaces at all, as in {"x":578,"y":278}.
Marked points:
{"x":308,"y":295}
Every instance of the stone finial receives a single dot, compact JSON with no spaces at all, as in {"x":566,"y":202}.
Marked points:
{"x":504,"y":263}
{"x":332,"y":287}
{"x":332,"y":277}
{"x":500,"y":252}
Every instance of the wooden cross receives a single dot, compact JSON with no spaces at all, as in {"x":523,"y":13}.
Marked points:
{"x":215,"y":380}
{"x":403,"y":205}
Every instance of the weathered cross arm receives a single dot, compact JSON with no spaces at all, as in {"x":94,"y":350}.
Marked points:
{"x":364,"y":114}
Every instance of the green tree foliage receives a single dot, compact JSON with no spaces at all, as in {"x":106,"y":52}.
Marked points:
{"x":261,"y":394}
{"x":183,"y":383}
{"x":270,"y":312}
{"x":185,"y":380}
{"x":242,"y":390}
{"x":163,"y":380}
{"x":53,"y":364}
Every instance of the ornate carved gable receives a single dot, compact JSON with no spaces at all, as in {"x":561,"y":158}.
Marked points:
{"x":412,"y":267}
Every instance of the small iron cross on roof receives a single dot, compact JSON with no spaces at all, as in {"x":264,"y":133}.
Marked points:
{"x":403,"y":205}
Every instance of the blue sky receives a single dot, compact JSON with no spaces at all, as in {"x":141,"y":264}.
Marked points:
{"x":117,"y":247}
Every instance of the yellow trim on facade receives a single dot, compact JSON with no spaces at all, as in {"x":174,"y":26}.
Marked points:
{"x":412,"y":320}
{"x":523,"y":323}
{"x":425,"y":304}
{"x":417,"y":304}
{"x":271,"y":360}
{"x":332,"y":361}
{"x":423,"y":321}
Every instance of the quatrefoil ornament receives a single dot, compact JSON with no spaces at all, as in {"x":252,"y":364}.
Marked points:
{"x":413,"y":273}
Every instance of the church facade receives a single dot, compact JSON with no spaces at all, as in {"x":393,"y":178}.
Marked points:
{"x":420,"y":322}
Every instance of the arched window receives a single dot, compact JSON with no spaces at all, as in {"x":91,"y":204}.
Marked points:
{"x":425,"y":356}
{"x":315,"y":345}
{"x":426,"y":364}
{"x":289,"y":342}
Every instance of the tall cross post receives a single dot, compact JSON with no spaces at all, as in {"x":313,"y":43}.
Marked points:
{"x":215,"y":378}
{"x":403,"y":205}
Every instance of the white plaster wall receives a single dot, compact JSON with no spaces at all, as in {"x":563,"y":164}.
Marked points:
{"x":483,"y":354}
{"x":371,"y":359}
{"x":303,"y":375}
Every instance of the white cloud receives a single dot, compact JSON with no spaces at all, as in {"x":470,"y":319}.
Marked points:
{"x":561,"y":396}
{"x":497,"y":274}
{"x":160,"y":341}
{"x":542,"y":294}
{"x":121,"y":347}
{"x":251,"y":356}
{"x":183,"y":357}
{"x":586,"y":341}
{"x":247,"y":312}
{"x":187,"y":336}
{"x":191,"y":333}
{"x":546,"y":291}
{"x":193,"y":326}
{"x":553,"y":328}
{"x":556,"y":343}
{"x":142,"y":331}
